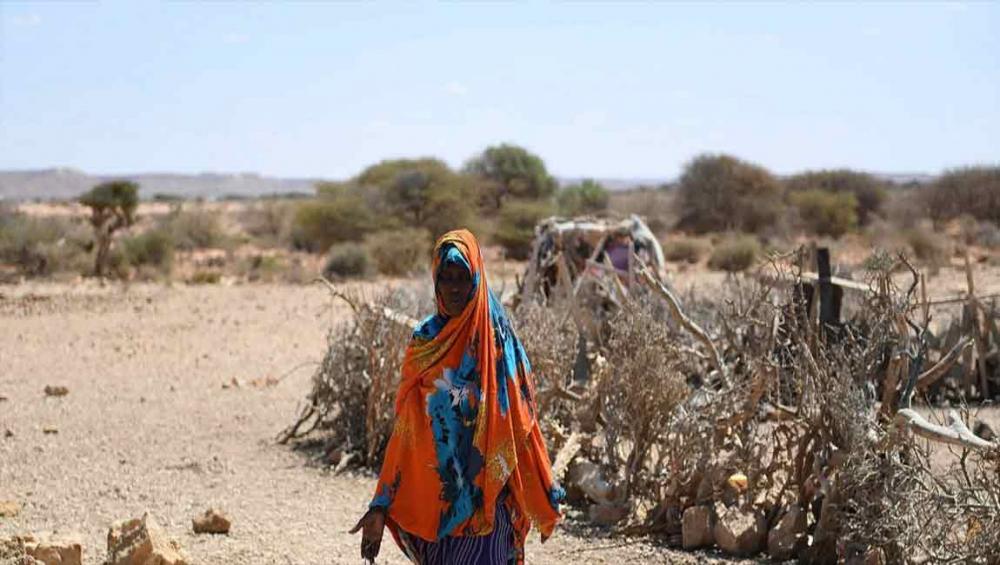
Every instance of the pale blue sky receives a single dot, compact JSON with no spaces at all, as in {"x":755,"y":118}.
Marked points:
{"x":605,"y":90}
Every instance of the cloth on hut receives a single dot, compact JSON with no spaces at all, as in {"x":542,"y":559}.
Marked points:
{"x":466,"y":430}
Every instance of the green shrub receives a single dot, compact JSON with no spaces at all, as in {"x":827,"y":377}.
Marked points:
{"x":195,"y":229}
{"x":683,"y":250}
{"x":508,"y":171}
{"x":588,"y":197}
{"x":723,"y":193}
{"x":974,"y":191}
{"x":41,"y":246}
{"x":205,"y":277}
{"x":399,"y":252}
{"x":335,"y":216}
{"x":347,"y":260}
{"x":422,"y":193}
{"x":516,"y":228}
{"x":154,"y":248}
{"x":869,"y":192}
{"x":826,"y":213}
{"x":735,"y":253}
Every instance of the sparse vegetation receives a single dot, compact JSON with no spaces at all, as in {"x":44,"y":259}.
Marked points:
{"x":153,"y":248}
{"x":735,"y":253}
{"x":516,"y":228}
{"x":683,"y":249}
{"x":194,"y":228}
{"x":399,"y":252}
{"x":347,"y":260}
{"x":39,"y":247}
{"x":973,"y":191}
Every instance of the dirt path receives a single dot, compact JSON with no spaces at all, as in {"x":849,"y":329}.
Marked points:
{"x":148,"y":426}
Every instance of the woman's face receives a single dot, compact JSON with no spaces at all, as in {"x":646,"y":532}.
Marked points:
{"x":454,"y":287}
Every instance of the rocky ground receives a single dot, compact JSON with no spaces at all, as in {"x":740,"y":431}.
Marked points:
{"x":175,"y":395}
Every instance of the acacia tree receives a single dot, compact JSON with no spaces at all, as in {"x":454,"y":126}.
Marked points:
{"x":587,"y":197}
{"x":112,"y":207}
{"x":424,"y":193}
{"x":511,"y":171}
{"x":720,"y":193}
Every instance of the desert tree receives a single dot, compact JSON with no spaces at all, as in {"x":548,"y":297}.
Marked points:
{"x":509,"y":171}
{"x":721,"y":193}
{"x":112,"y":207}
{"x":587,"y":197}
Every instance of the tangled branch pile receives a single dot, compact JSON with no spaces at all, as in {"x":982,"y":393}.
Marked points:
{"x":740,"y":422}
{"x":354,"y":387}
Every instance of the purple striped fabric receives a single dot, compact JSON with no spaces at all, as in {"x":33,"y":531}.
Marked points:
{"x":496,"y":548}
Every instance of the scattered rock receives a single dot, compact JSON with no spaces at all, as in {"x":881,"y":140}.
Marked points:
{"x":8,"y":433}
{"x":233,"y":383}
{"x":788,"y":537}
{"x":61,"y":550}
{"x":3,"y":398}
{"x":56,"y":390}
{"x":211,"y":522}
{"x":696,"y":528}
{"x":141,"y":541}
{"x":608,"y":514}
{"x":740,"y":532}
{"x":9,"y":508}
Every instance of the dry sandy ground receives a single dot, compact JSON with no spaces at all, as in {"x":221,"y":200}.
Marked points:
{"x":147,"y":425}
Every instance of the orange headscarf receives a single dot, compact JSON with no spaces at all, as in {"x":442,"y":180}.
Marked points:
{"x":466,"y":426}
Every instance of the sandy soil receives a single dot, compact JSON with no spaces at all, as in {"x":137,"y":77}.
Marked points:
{"x":148,"y":426}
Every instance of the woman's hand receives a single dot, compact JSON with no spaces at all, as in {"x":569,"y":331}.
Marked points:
{"x":371,"y":525}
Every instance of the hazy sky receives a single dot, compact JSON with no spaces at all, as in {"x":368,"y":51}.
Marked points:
{"x":606,"y":90}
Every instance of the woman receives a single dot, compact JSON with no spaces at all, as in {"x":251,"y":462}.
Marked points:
{"x":465,"y":473}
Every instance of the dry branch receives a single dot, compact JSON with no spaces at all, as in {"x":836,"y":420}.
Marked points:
{"x":956,"y":433}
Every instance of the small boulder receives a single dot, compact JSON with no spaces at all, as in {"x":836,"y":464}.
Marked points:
{"x":9,"y":508}
{"x":740,"y":532}
{"x":141,"y":541}
{"x":55,"y":550}
{"x":56,"y":390}
{"x":607,"y":514}
{"x":211,"y":522}
{"x":696,"y":528}
{"x":788,"y":537}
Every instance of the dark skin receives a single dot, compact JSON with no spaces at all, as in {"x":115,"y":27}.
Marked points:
{"x":454,"y":288}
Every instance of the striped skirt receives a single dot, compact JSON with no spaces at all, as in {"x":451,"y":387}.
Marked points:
{"x":496,"y":548}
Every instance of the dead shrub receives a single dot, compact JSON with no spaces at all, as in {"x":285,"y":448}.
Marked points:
{"x":351,"y":401}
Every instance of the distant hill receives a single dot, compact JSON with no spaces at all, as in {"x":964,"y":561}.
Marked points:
{"x":64,"y":183}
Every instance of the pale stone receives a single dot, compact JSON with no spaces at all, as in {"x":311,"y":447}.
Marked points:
{"x":141,"y":541}
{"x":9,"y":508}
{"x":740,"y":532}
{"x":56,"y":550}
{"x":696,"y":528}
